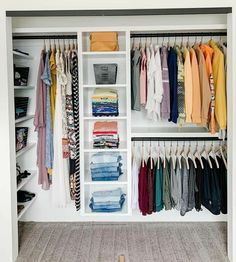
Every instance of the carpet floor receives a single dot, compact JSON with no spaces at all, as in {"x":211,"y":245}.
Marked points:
{"x":139,"y":242}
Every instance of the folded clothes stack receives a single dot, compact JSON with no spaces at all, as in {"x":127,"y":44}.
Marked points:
{"x":107,"y":201}
{"x":105,"y":135}
{"x":105,"y":102}
{"x":106,"y":166}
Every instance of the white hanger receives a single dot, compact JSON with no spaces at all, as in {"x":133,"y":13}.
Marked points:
{"x":142,"y":155}
{"x":213,"y":155}
{"x":150,"y":152}
{"x":221,"y":154}
{"x":205,"y":155}
{"x":191,"y":156}
{"x":164,"y":159}
{"x":173,"y":156}
{"x":178,"y":154}
{"x":197,"y":155}
{"x":185,"y":155}
{"x":158,"y":155}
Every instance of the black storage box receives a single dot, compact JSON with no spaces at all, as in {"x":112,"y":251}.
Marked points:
{"x":105,"y":73}
{"x":21,"y":105}
{"x":21,"y":137}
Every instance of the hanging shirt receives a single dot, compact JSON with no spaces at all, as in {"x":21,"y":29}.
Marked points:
{"x":180,"y":87}
{"x":208,"y":54}
{"x":166,"y":187}
{"x":151,"y":71}
{"x":191,"y":186}
{"x":159,"y":188}
{"x":158,"y":82}
{"x":185,"y":187}
{"x":222,"y":176}
{"x":135,"y":177}
{"x":188,"y":85}
{"x":196,"y":97}
{"x":165,"y":105}
{"x":151,"y":186}
{"x":135,"y":80}
{"x":178,"y":187}
{"x":54,"y":84}
{"x":143,"y":77}
{"x":142,"y":189}
{"x":205,"y":87}
{"x":220,"y":87}
{"x":60,"y":175}
{"x":40,"y":126}
{"x":173,"y":71}
{"x":46,"y":77}
{"x":199,"y":186}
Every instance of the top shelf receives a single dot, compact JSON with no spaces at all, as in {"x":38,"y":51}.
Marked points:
{"x":20,"y":55}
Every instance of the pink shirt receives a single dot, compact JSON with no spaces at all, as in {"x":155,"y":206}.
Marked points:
{"x":143,"y":77}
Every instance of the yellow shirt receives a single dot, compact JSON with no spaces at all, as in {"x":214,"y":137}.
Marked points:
{"x":53,"y":69}
{"x":220,"y":87}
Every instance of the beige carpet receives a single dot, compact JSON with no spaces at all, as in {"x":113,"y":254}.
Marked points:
{"x":139,"y":242}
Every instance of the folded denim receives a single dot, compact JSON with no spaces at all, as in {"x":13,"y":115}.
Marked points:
{"x":106,"y":168}
{"x":111,"y":178}
{"x":107,"y":208}
{"x":115,"y":192}
{"x":104,"y":165}
{"x":100,"y":174}
{"x":105,"y":157}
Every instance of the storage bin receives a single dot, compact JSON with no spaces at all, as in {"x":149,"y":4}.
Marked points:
{"x":21,"y":105}
{"x":21,"y":137}
{"x":21,"y":75}
{"x":105,"y":73}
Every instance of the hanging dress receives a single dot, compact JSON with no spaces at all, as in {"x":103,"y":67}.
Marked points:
{"x":60,"y":175}
{"x":40,"y":126}
{"x":75,"y":94}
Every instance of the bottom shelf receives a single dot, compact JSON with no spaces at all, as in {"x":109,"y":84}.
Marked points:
{"x":27,"y":205}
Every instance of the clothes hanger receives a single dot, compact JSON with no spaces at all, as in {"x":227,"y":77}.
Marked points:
{"x":142,"y":156}
{"x":198,"y":156}
{"x":178,"y":154}
{"x":44,"y":45}
{"x":150,"y":150}
{"x":185,"y":155}
{"x":172,"y":155}
{"x":164,"y":159}
{"x":158,"y":155}
{"x":205,"y":155}
{"x":191,"y":155}
{"x":222,"y":155}
{"x":213,"y":155}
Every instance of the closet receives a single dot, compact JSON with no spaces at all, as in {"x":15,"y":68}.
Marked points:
{"x":133,"y":127}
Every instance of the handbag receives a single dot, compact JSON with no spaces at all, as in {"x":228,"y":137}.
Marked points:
{"x":104,"y":41}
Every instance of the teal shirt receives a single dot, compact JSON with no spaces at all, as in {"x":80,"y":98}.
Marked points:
{"x":159,"y":187}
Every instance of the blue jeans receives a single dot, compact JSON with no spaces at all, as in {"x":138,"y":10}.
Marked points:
{"x":105,"y":157}
{"x":107,"y":208}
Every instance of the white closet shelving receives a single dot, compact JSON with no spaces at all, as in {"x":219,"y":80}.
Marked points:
{"x":25,"y":156}
{"x":122,"y":86}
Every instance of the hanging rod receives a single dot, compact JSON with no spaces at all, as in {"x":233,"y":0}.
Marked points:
{"x":22,"y":37}
{"x":177,"y":34}
{"x":175,"y":139}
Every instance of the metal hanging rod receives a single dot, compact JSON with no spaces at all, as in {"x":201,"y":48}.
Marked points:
{"x":25,"y":37}
{"x":175,"y":139}
{"x":178,"y":34}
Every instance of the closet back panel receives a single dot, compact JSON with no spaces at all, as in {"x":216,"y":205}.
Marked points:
{"x":43,"y":210}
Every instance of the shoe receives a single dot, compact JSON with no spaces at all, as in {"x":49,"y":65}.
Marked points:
{"x":20,"y":208}
{"x":27,"y":193}
{"x":23,"y":197}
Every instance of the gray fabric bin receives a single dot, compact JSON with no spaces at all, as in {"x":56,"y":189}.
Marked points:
{"x":105,"y":73}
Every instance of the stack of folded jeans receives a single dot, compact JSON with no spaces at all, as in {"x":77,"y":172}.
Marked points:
{"x":105,"y":135}
{"x":105,"y":102}
{"x":107,"y":201}
{"x":106,"y":166}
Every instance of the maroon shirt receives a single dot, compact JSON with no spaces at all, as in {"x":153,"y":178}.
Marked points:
{"x":151,"y":186}
{"x":142,"y":190}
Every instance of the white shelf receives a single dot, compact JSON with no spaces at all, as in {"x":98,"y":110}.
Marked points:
{"x":23,"y":87}
{"x":27,"y":205}
{"x":105,"y":86}
{"x":120,"y":117}
{"x":171,"y":132}
{"x":121,"y":181}
{"x":115,"y":53}
{"x":24,"y":118}
{"x":20,"y":55}
{"x":27,"y":179}
{"x":89,"y":148}
{"x":25,"y":149}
